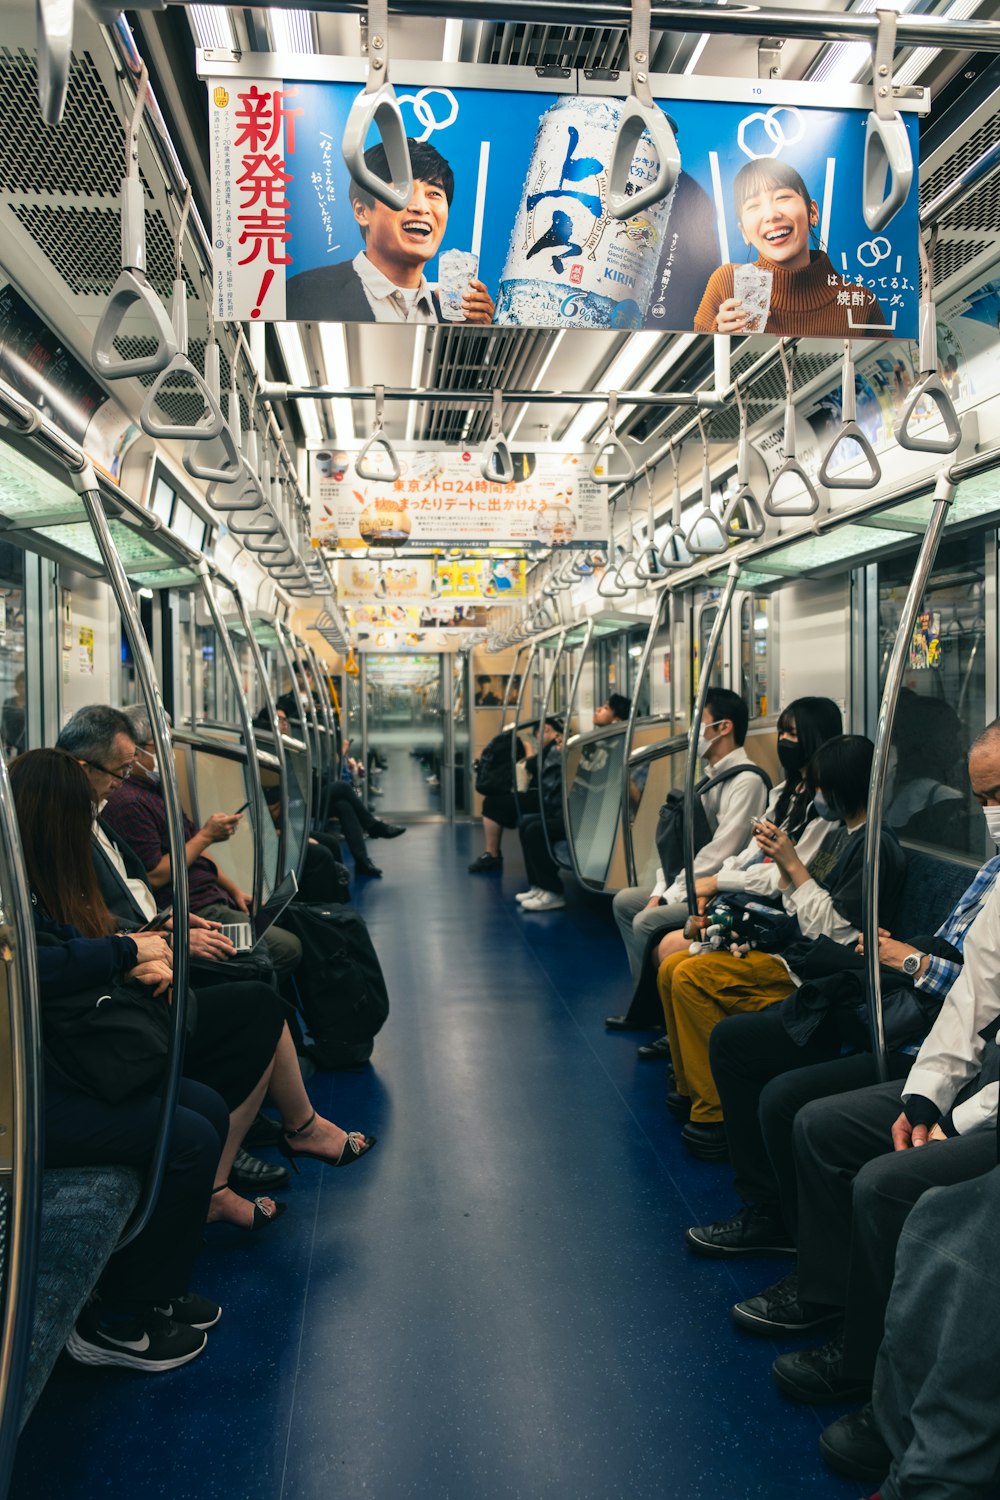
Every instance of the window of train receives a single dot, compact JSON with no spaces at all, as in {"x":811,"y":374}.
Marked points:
{"x":656,"y":692}
{"x":706,"y":620}
{"x":635,"y":640}
{"x":942,"y":702}
{"x":13,"y":678}
{"x":754,"y":655}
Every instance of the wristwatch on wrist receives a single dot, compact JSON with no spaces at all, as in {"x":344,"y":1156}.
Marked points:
{"x":911,"y":963}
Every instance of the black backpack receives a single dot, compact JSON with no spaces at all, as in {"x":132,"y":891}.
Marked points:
{"x":340,"y":983}
{"x":495,"y":768}
{"x":670,"y":827}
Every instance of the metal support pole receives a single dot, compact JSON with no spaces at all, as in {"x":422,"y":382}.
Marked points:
{"x":276,"y":391}
{"x":24,"y":1131}
{"x":86,"y":485}
{"x":662,"y":603}
{"x":944,"y":494}
{"x":283,"y":647}
{"x":260,"y":667}
{"x":257,"y":804}
{"x":691,"y":769}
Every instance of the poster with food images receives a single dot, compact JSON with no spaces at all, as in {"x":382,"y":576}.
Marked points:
{"x":439,"y":498}
{"x":400,"y":582}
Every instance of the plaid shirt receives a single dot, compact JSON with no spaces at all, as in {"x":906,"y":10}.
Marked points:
{"x":942,"y":972}
{"x":136,"y":812}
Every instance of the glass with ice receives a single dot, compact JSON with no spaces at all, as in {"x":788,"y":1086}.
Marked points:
{"x":752,"y":286}
{"x":456,"y":268}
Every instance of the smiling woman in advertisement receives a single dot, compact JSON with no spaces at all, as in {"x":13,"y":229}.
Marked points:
{"x":385,"y":281}
{"x":792,"y":287}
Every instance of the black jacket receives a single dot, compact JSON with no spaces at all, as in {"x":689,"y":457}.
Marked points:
{"x":332,"y":294}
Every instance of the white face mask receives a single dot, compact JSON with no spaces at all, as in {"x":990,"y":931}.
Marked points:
{"x":153,"y":771}
{"x":704,"y":743}
{"x":992,"y":816}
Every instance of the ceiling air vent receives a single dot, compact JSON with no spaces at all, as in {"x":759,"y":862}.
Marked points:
{"x":84,"y":246}
{"x":84,"y":156}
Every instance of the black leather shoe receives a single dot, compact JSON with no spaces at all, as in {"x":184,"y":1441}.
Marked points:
{"x":853,"y":1446}
{"x":255,"y":1175}
{"x":679,"y":1106}
{"x":386,"y":830}
{"x":263,"y":1132}
{"x":365,"y":867}
{"x":751,"y":1231}
{"x":486,"y":864}
{"x":816,"y":1376}
{"x":622,"y":1023}
{"x":706,"y":1141}
{"x":777,"y":1309}
{"x":658,"y":1051}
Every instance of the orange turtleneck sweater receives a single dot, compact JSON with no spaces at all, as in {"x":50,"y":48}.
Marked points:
{"x":802,"y":302}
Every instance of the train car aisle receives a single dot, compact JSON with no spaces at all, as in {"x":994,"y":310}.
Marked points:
{"x":498,"y":1302}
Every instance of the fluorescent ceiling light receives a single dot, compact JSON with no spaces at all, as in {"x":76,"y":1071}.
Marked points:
{"x":922,"y":57}
{"x":845,"y":62}
{"x":290,"y":340}
{"x":416,"y":370}
{"x":291,"y":30}
{"x":695,"y":57}
{"x":543,"y":370}
{"x":212,"y":26}
{"x":620,"y":372}
{"x":452,"y":41}
{"x":333,"y":342}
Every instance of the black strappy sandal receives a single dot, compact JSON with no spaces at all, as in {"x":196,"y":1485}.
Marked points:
{"x":262,"y":1215}
{"x":355,"y":1147}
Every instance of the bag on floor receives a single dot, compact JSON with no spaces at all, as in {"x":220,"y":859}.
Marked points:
{"x":340,"y":983}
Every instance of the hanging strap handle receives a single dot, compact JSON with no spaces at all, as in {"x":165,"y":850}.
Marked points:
{"x":791,"y":464}
{"x":850,"y":431}
{"x":930,"y":386}
{"x":666,"y":557}
{"x":608,"y":586}
{"x":628,"y":558}
{"x":887,"y":146}
{"x":132,"y":288}
{"x":647,"y":568}
{"x":362,"y":467}
{"x":742,"y":517}
{"x":377,"y":102}
{"x":640,"y":114}
{"x":706,"y":537}
{"x":606,"y":473}
{"x":497,"y":462}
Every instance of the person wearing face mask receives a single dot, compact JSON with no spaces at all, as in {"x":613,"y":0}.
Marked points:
{"x":823,"y":906}
{"x":730,"y":807}
{"x":858,"y":1160}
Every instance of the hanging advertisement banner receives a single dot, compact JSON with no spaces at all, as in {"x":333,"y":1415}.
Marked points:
{"x":762,"y":232}
{"x":441,"y":498}
{"x":406,"y":581}
{"x":419,"y":617}
{"x":406,"y":641}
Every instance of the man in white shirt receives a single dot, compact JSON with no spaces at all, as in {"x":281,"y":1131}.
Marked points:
{"x":385,"y":281}
{"x":730,"y":809}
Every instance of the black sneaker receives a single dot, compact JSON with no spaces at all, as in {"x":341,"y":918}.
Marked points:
{"x":486,"y":863}
{"x":816,"y":1376}
{"x":386,"y":831}
{"x":658,"y":1051}
{"x":150,"y":1342}
{"x":751,"y":1231}
{"x":777,"y":1309}
{"x":854,"y":1447}
{"x":193,"y":1311}
{"x":679,"y":1106}
{"x":706,"y":1140}
{"x":255,"y":1175}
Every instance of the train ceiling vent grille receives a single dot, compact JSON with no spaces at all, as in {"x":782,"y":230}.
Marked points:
{"x":970,"y":150}
{"x":82,"y":157}
{"x":952,"y":256}
{"x":470,"y":360}
{"x":177,"y":401}
{"x":84,"y":245}
{"x":515,"y":44}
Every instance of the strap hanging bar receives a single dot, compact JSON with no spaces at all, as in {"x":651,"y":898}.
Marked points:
{"x":887,"y":145}
{"x":851,"y":432}
{"x":640,"y":114}
{"x":666,"y":556}
{"x":930,"y":386}
{"x":497,"y":462}
{"x":608,"y":586}
{"x":628,"y":557}
{"x":377,"y":104}
{"x":713,"y":538}
{"x":647,"y":567}
{"x":362,"y":467}
{"x":211,"y":422}
{"x":601,"y":470}
{"x":791,"y":464}
{"x":54,"y":34}
{"x":132,"y":288}
{"x":742,"y":517}
{"x":218,"y":458}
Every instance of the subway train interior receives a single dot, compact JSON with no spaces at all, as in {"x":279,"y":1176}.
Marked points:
{"x":417,"y":654}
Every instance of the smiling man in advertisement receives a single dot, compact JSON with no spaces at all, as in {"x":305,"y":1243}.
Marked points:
{"x":385,"y":281}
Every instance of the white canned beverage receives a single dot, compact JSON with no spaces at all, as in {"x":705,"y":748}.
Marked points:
{"x":569,"y":263}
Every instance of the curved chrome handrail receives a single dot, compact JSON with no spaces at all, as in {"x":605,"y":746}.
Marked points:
{"x":640,"y":114}
{"x":264,"y":683}
{"x":663,"y":603}
{"x":850,"y":431}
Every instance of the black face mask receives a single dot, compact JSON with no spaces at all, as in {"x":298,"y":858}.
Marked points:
{"x":790,"y":755}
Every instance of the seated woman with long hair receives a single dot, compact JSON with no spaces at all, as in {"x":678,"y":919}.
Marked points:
{"x":239,"y":1048}
{"x":822,"y":899}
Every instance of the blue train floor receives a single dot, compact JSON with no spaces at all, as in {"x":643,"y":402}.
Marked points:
{"x":497,"y":1303}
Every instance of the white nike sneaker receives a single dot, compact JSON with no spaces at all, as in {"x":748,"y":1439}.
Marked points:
{"x":544,"y":901}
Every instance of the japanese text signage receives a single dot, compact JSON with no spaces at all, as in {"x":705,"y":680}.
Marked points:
{"x":762,"y":233}
{"x":417,"y":581}
{"x":441,"y":498}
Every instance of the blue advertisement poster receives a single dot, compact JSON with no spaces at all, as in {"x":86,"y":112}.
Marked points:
{"x":763,"y":231}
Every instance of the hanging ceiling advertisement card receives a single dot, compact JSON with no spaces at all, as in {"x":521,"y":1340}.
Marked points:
{"x":416,"y":581}
{"x":763,"y":231}
{"x":441,"y":498}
